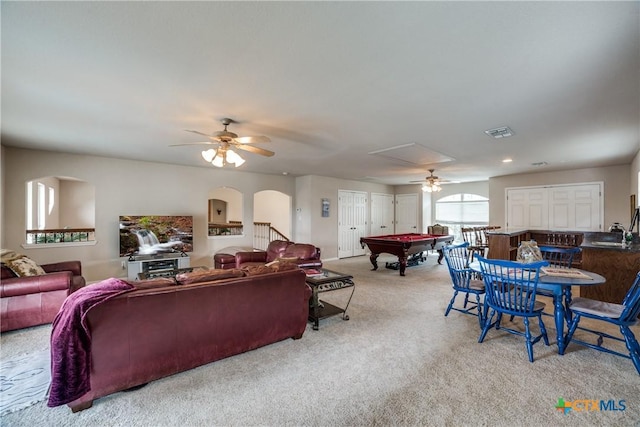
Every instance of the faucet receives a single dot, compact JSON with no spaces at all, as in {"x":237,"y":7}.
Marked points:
{"x":617,"y":228}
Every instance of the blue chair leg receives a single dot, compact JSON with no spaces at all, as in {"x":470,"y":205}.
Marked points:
{"x":487,"y":325}
{"x":527,"y":335}
{"x":453,"y":298}
{"x":632,"y":346}
{"x":479,"y":308}
{"x":543,"y":331}
{"x":572,"y":328}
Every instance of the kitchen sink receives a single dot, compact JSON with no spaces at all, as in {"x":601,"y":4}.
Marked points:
{"x":610,"y":244}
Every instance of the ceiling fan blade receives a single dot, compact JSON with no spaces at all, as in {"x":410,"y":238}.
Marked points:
{"x":199,"y":133}
{"x":253,"y":149}
{"x":195,"y":143}
{"x":251,"y":139}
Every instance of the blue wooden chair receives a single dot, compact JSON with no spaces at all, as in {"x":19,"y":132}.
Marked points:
{"x":511,"y":289}
{"x":559,"y":257}
{"x":463,"y":279}
{"x":623,"y":315}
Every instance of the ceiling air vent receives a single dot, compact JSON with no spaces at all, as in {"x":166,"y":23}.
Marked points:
{"x":502,"y":132}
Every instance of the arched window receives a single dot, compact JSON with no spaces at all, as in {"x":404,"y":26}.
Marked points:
{"x":462,"y":210}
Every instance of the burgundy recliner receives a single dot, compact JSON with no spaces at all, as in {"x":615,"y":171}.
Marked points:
{"x":303,"y":254}
{"x":35,"y":300}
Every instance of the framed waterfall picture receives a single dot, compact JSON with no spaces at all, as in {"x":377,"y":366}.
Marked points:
{"x":325,"y":208}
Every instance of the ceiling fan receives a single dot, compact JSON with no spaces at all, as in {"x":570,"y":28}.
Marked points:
{"x":225,"y":142}
{"x":431,"y":184}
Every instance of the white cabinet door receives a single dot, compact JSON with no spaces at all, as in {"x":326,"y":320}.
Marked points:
{"x":572,"y":207}
{"x":527,"y":208}
{"x":575,"y":208}
{"x":406,"y":213}
{"x":382,"y":207}
{"x":352,"y":222}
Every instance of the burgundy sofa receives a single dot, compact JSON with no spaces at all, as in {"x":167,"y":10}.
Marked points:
{"x":35,"y":300}
{"x":302,"y":254}
{"x":147,"y":334}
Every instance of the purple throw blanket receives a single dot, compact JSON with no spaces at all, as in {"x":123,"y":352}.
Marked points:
{"x":71,"y":340}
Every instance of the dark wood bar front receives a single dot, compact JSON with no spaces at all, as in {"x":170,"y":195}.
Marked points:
{"x":602,"y":253}
{"x":618,"y":264}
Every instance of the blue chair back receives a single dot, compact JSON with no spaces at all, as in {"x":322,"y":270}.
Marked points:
{"x":559,"y":257}
{"x":631,"y":302}
{"x":511,"y":286}
{"x":457,"y":258}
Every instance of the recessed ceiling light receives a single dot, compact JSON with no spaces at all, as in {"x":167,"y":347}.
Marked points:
{"x":502,"y":132}
{"x":507,"y":160}
{"x":285,"y":173}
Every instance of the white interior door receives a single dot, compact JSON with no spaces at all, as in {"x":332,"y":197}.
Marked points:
{"x":352,"y":222}
{"x":406,"y":213}
{"x":359,"y":221}
{"x":382,"y":208}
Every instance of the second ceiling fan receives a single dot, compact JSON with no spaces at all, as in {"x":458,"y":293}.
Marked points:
{"x":431,"y":184}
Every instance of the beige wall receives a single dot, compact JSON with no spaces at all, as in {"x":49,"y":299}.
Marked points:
{"x":77,"y":204}
{"x":616,"y":194}
{"x":275,"y":208}
{"x":311,"y":226}
{"x":143,"y":188}
{"x":126,"y":187}
{"x":634,"y":187}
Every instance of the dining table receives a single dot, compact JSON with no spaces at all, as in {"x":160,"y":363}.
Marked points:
{"x":558,"y":286}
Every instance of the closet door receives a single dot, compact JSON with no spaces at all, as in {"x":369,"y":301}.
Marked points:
{"x":382,"y":207}
{"x":406,"y":213}
{"x":352,"y":222}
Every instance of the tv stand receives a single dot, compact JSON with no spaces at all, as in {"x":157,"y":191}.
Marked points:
{"x":150,"y":263}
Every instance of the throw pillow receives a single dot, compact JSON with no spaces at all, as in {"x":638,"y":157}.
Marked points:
{"x":254,"y":270}
{"x":158,"y":282}
{"x":24,"y":267}
{"x":7,"y":255}
{"x":208,"y":275}
{"x":284,"y":266}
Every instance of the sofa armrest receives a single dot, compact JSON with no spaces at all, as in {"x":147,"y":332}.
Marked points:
{"x":244,"y":257}
{"x":74,"y":267}
{"x":36,"y":284}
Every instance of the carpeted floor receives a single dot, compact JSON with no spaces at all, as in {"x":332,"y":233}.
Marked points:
{"x":397,"y":361}
{"x":24,"y":380}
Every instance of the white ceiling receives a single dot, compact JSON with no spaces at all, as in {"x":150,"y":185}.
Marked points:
{"x":329,"y":82}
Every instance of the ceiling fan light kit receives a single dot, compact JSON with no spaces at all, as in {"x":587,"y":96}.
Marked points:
{"x":224,"y":141}
{"x":431,"y":184}
{"x":431,"y":187}
{"x":221,"y":157}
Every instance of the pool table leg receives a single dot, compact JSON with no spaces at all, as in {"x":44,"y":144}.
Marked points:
{"x":373,"y":258}
{"x":403,"y":264}
{"x":440,"y":256}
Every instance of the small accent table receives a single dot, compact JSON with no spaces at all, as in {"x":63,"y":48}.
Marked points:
{"x":326,"y":281}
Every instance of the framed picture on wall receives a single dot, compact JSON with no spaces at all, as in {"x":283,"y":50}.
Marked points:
{"x":325,"y":208}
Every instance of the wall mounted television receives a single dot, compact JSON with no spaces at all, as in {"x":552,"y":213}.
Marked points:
{"x":155,"y":234}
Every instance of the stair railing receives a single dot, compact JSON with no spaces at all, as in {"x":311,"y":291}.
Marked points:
{"x":264,"y":233}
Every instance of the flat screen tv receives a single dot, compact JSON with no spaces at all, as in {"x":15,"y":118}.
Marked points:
{"x":154,"y":234}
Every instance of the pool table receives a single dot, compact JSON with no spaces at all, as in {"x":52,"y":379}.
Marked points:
{"x":407,"y":247}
